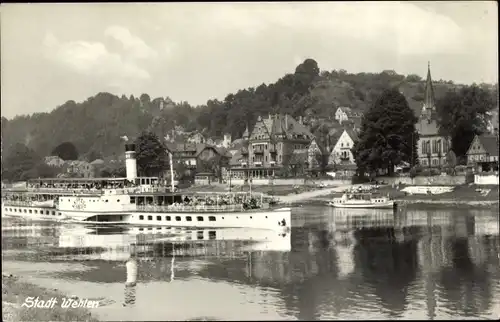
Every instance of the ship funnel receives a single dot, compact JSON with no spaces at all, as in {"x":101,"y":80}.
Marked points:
{"x":130,"y":162}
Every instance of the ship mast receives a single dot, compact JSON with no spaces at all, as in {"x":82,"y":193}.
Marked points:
{"x":171,"y":171}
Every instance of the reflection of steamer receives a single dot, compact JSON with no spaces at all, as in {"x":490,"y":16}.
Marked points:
{"x":167,"y":242}
{"x":355,"y":218}
{"x":140,"y":201}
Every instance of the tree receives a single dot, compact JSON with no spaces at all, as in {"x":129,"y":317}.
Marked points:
{"x":93,"y":155}
{"x":66,"y":151}
{"x":151,"y":154}
{"x":462,"y":115}
{"x":321,"y":161}
{"x":388,"y":135}
{"x":20,"y":163}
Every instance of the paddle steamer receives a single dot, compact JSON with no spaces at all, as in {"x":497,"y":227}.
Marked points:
{"x":140,"y":201}
{"x":366,"y":200}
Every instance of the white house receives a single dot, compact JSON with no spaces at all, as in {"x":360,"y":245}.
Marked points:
{"x":54,"y":161}
{"x":227,"y":140}
{"x":341,"y":152}
{"x":344,"y":113}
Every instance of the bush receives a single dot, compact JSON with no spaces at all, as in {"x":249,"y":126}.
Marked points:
{"x":469,"y":177}
{"x":425,"y":173}
{"x":413,"y":172}
{"x":359,"y":179}
{"x":435,"y":172}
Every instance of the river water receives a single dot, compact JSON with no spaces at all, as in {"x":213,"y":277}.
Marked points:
{"x":333,"y":264}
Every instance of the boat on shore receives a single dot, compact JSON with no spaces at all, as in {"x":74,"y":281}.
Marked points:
{"x":140,"y":201}
{"x":362,"y":200}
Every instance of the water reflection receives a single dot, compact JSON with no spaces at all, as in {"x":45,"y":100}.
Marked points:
{"x":334,"y":264}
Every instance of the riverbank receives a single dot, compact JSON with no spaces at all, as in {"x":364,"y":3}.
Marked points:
{"x":470,"y":196}
{"x":15,"y":292}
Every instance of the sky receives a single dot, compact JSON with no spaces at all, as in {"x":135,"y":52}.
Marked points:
{"x":52,"y":53}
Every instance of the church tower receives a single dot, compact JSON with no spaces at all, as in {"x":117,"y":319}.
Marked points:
{"x":432,"y":146}
{"x":429,"y":106}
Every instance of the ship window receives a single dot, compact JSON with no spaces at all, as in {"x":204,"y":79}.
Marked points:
{"x":188,"y":218}
{"x":53,"y":213}
{"x":15,"y":210}
{"x":250,"y":217}
{"x":106,"y":200}
{"x":24,"y":210}
{"x":158,"y":218}
{"x":132,"y":199}
{"x":141,"y":217}
{"x":167,"y":218}
{"x":199,"y":218}
{"x":36,"y":211}
{"x":150,"y":217}
{"x":58,"y":213}
{"x":178,"y":218}
{"x":47,"y":212}
{"x":31,"y":211}
{"x":118,"y":200}
{"x":211,"y":218}
{"x":141,"y":229}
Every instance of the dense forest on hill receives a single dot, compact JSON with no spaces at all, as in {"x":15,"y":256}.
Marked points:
{"x":96,"y":125}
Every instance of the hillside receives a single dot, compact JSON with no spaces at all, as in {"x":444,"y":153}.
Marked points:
{"x":96,"y":125}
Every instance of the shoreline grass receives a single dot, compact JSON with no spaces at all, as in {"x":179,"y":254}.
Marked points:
{"x":14,"y":293}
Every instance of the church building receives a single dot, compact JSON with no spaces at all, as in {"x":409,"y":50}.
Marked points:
{"x":432,"y":147}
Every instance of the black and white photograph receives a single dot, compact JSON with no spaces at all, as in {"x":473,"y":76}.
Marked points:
{"x":203,"y":161}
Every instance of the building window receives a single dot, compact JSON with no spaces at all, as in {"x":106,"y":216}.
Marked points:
{"x":177,"y":218}
{"x":199,"y":218}
{"x":188,"y":218}
{"x":150,"y":217}
{"x":141,"y":217}
{"x":158,"y":218}
{"x":211,"y":218}
{"x":167,"y":218}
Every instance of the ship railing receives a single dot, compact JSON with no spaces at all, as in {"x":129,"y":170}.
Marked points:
{"x":18,"y":203}
{"x":74,"y":191}
{"x":184,"y":208}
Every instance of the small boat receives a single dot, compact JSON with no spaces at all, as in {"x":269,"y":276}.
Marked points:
{"x":362,"y":200}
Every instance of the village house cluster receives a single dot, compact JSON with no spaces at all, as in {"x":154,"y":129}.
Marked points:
{"x":277,"y":141}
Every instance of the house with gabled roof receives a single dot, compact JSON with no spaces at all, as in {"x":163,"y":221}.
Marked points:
{"x":269,"y":145}
{"x":483,"y":151}
{"x":344,"y":113}
{"x":196,"y":138}
{"x":341,"y":156}
{"x":341,"y":153}
{"x":190,"y":153}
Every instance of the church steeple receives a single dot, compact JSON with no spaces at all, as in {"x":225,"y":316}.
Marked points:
{"x":429,"y":91}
